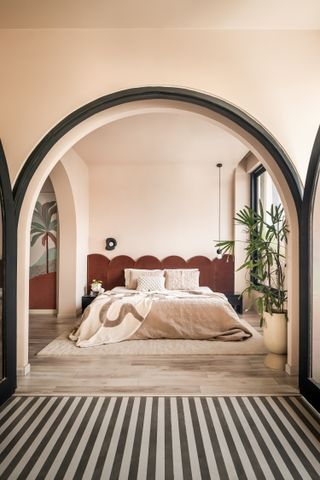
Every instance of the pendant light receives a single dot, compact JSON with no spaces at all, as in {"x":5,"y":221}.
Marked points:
{"x":219,"y":251}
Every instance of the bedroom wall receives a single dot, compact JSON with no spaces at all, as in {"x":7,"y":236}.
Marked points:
{"x":159,"y":209}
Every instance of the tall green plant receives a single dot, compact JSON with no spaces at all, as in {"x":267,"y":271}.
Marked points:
{"x":265,"y":256}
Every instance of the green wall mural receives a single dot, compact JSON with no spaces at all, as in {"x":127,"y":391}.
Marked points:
{"x":43,"y":253}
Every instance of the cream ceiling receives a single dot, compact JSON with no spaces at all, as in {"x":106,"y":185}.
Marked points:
{"x":207,"y":14}
{"x":161,"y":137}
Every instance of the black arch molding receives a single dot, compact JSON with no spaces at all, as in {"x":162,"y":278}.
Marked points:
{"x":212,"y":103}
{"x":309,"y":388}
{"x":9,"y":257}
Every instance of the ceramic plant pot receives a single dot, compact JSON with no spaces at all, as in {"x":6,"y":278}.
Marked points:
{"x":275,"y":332}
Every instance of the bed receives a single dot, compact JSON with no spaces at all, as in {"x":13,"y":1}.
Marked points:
{"x":158,"y":303}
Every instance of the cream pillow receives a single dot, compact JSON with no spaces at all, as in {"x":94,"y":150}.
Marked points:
{"x":150,"y":283}
{"x":131,"y":276}
{"x":182,"y":279}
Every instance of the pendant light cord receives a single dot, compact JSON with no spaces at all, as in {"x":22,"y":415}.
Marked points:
{"x":219,"y":205}
{"x":219,"y":165}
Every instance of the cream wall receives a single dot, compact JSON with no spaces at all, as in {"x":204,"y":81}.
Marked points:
{"x":159,"y":209}
{"x":46,"y":74}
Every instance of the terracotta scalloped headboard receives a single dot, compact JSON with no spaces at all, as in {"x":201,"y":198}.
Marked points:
{"x":216,"y":274}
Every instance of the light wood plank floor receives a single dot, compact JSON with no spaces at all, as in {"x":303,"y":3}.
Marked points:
{"x":146,"y":375}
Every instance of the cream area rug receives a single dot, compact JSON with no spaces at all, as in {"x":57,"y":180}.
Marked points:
{"x":62,"y":346}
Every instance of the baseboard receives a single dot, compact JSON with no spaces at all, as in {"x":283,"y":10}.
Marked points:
{"x":23,"y":371}
{"x":290,"y":370}
{"x":66,"y":315}
{"x":42,"y":311}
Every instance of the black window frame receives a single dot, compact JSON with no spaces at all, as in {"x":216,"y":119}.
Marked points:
{"x":254,"y":201}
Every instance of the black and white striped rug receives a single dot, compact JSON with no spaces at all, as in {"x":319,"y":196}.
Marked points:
{"x":158,"y":438}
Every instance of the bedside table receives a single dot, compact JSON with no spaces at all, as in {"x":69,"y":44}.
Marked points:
{"x":86,"y":300}
{"x":236,"y":301}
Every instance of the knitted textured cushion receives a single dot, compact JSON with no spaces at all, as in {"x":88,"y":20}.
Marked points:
{"x":150,"y":283}
{"x":182,"y":279}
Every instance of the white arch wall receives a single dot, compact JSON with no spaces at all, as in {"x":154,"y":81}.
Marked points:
{"x":107,"y":116}
{"x":66,"y":280}
{"x":77,"y":172}
{"x":70,"y":181}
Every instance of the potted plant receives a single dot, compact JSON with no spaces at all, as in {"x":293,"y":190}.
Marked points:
{"x":266,"y":263}
{"x":96,"y":286}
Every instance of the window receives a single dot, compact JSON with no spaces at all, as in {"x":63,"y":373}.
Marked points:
{"x":263,"y":189}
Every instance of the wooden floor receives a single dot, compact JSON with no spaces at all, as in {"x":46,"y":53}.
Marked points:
{"x":146,"y":375}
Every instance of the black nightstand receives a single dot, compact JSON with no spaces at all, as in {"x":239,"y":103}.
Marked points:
{"x":86,"y":300}
{"x":236,"y":301}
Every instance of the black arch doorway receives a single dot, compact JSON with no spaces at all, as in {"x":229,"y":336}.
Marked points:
{"x":214,"y":104}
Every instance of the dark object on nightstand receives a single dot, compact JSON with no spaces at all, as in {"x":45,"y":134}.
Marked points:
{"x":86,"y":300}
{"x":236,"y":301}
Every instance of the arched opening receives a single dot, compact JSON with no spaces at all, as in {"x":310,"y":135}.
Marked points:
{"x":122,"y":104}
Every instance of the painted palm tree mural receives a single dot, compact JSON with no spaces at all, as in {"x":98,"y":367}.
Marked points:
{"x":44,"y":228}
{"x":43,"y":251}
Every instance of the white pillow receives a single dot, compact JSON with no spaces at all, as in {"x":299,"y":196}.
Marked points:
{"x":150,"y":283}
{"x":182,"y":279}
{"x":127,"y":274}
{"x":131,"y":276}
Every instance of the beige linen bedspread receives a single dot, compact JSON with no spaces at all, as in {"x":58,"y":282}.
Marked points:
{"x":192,"y":315}
{"x":123,"y":314}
